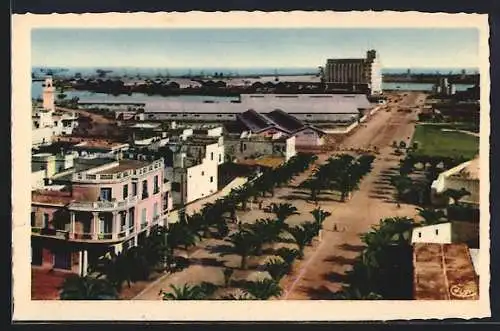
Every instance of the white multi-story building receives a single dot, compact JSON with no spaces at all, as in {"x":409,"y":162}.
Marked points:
{"x":46,"y":122}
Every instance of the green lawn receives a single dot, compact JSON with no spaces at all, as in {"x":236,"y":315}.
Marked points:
{"x":434,"y":142}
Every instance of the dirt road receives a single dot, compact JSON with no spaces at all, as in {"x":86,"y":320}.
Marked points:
{"x":322,"y":272}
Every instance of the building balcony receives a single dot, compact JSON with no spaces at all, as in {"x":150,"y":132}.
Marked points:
{"x":104,"y":205}
{"x":110,"y":178}
{"x":125,"y":234}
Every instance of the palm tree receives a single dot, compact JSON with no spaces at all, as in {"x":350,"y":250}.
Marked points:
{"x":288,"y":256}
{"x":243,"y":243}
{"x":266,"y":231}
{"x":315,"y":185}
{"x":87,"y":288}
{"x":402,"y":184}
{"x":115,"y":268}
{"x":301,"y":237}
{"x":186,"y":292}
{"x":277,"y":268}
{"x":312,"y":230}
{"x":180,"y":234}
{"x":320,"y":215}
{"x":431,"y":216}
{"x":350,"y":293}
{"x":283,"y":211}
{"x":456,"y":195}
{"x":263,"y":289}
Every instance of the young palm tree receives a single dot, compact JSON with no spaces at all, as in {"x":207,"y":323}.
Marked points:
{"x":186,"y":292}
{"x":267,"y":230}
{"x":402,"y":184}
{"x":301,"y":237}
{"x":288,"y":256}
{"x":431,"y":216}
{"x":243,"y":243}
{"x":283,"y":211}
{"x":87,"y":288}
{"x":277,"y":268}
{"x":263,"y":289}
{"x":320,"y":215}
{"x":312,"y":230}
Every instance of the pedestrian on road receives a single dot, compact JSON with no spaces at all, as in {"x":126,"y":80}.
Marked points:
{"x":335,"y":227}
{"x":260,"y":204}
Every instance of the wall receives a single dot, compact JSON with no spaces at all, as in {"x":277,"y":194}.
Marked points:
{"x":37,"y":179}
{"x":471,"y":185}
{"x":190,"y":116}
{"x":313,"y":117}
{"x":149,"y":202}
{"x":42,"y":136}
{"x":252,"y":148}
{"x":308,"y":137}
{"x":428,"y":234}
{"x":44,"y":163}
{"x":290,"y":148}
{"x":198,"y":180}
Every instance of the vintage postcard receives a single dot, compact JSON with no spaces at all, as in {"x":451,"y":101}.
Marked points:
{"x":307,"y":166}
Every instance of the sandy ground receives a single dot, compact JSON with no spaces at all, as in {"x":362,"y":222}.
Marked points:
{"x":325,"y":263}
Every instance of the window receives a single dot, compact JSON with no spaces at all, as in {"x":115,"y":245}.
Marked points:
{"x":125,"y":191}
{"x":244,"y":147}
{"x":33,"y":218}
{"x":211,"y":179}
{"x":155,"y":209}
{"x":211,"y":156}
{"x":176,"y":187}
{"x":134,"y":189}
{"x":143,"y":216}
{"x":105,"y":194}
{"x":203,"y":173}
{"x":156,"y":186}
{"x":220,"y":157}
{"x":420,"y":234}
{"x":45,"y":220}
{"x":145,"y":189}
{"x":437,"y":232}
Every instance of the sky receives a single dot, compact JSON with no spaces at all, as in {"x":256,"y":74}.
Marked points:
{"x":246,"y":48}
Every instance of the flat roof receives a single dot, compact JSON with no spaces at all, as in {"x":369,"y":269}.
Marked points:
{"x":266,"y":161}
{"x":99,"y":143}
{"x":51,"y":197}
{"x":444,"y":272}
{"x":264,"y":103}
{"x":123,"y":165}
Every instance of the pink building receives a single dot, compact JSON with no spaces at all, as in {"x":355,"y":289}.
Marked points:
{"x":108,"y":207}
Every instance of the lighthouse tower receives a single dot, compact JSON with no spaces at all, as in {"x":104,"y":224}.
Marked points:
{"x":48,"y":94}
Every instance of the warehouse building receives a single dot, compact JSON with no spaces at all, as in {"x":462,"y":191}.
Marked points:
{"x":333,"y":108}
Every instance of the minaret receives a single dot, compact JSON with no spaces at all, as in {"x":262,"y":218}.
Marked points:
{"x":48,"y":94}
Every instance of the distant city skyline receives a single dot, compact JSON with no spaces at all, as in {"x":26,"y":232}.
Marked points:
{"x":249,"y":48}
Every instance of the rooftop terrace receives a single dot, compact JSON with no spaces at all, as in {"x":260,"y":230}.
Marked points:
{"x":123,"y":165}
